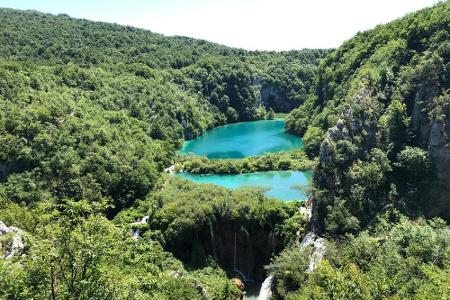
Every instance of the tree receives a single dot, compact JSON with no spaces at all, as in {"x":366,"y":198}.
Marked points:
{"x":394,"y":131}
{"x":313,"y":139}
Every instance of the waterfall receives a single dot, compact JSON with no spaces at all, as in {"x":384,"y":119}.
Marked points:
{"x":271,"y":241}
{"x":235,"y":269}
{"x":213,"y":241}
{"x":135,"y":234}
{"x":317,"y":255}
{"x":266,"y":291}
{"x":247,"y":235}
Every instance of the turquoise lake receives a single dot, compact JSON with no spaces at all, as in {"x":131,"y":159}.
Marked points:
{"x":243,"y":139}
{"x":284,"y":185}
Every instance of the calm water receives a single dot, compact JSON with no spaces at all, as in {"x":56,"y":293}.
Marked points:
{"x":243,"y":139}
{"x":284,"y":185}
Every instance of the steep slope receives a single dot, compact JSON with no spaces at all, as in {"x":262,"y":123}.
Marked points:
{"x":378,"y":124}
{"x":381,"y":122}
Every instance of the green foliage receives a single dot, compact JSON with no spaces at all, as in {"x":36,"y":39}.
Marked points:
{"x":95,"y":111}
{"x":395,"y":258}
{"x":288,"y":270}
{"x":76,"y":257}
{"x":294,"y":160}
{"x":413,"y":170}
{"x":312,"y":138}
{"x":380,"y":95}
{"x":90,"y":115}
{"x":394,"y":128}
{"x":216,"y":283}
{"x":196,"y":221}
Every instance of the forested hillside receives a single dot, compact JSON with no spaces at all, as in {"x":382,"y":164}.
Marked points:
{"x":379,"y":123}
{"x":95,"y":111}
{"x":90,"y":115}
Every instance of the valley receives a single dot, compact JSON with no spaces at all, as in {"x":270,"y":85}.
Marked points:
{"x":135,"y":165}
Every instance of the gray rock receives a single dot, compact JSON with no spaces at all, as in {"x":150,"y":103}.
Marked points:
{"x":16,"y":244}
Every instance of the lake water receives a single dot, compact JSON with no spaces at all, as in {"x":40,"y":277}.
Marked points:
{"x":250,"y":139}
{"x":243,"y":139}
{"x":284,"y":185}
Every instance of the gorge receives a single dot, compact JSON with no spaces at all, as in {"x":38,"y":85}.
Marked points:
{"x":238,"y":141}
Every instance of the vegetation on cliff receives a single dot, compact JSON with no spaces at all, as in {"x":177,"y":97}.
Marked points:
{"x":381,"y":116}
{"x":379,"y":123}
{"x":393,"y":258}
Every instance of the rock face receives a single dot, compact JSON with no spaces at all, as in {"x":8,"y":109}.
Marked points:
{"x":272,"y":96}
{"x":4,"y":169}
{"x":14,"y":244}
{"x":318,"y":249}
{"x":355,"y":120}
{"x":241,"y":251}
{"x":433,"y":133}
{"x":241,"y":287}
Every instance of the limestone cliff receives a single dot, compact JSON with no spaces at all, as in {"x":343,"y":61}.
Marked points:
{"x":431,"y":124}
{"x":273,"y":97}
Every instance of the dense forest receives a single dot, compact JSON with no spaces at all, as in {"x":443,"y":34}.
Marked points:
{"x":92,"y":113}
{"x":75,"y":93}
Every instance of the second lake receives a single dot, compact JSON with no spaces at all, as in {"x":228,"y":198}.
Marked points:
{"x":283,"y":185}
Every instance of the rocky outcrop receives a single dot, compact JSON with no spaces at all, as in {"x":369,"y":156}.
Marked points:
{"x":439,"y":149}
{"x":273,"y":97}
{"x":432,"y":132}
{"x":318,"y":245}
{"x":242,"y":251}
{"x":10,"y":240}
{"x":241,"y":287}
{"x":357,"y":124}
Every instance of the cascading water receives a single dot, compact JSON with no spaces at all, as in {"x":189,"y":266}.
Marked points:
{"x":271,"y":241}
{"x":135,"y":234}
{"x":213,"y":241}
{"x":235,"y":269}
{"x":266,"y":289}
{"x":317,"y":255}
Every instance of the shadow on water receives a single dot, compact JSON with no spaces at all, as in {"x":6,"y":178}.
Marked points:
{"x":225,"y":154}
